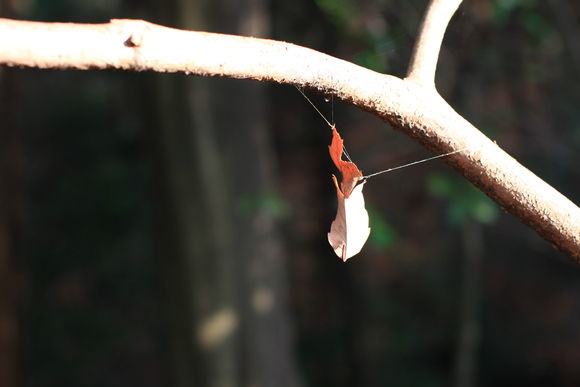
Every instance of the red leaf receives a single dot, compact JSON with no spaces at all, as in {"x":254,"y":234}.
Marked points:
{"x":350,"y":229}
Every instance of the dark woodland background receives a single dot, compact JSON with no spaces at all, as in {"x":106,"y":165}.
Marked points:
{"x":164,"y":230}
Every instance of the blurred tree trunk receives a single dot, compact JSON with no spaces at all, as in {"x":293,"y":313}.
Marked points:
{"x":11,"y":270}
{"x":468,"y":344}
{"x":223,"y":268}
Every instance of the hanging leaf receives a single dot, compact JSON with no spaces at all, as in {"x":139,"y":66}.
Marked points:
{"x":350,"y":229}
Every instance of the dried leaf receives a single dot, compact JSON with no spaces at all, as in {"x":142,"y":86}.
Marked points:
{"x":350,"y":229}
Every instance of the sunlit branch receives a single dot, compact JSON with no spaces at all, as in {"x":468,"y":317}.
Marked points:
{"x":411,"y":106}
{"x":430,"y":35}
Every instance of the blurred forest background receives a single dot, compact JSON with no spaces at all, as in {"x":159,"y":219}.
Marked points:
{"x":164,"y":230}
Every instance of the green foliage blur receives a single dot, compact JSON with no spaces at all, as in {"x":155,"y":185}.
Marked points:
{"x":465,"y":201}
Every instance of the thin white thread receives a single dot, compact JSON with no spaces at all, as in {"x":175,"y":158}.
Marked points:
{"x":328,"y":122}
{"x":364,"y":178}
{"x":413,"y":163}
{"x":314,"y":106}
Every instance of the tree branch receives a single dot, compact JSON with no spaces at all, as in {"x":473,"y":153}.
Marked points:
{"x":429,"y":38}
{"x":409,"y":107}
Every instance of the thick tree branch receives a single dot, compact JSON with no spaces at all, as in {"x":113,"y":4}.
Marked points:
{"x":409,"y":107}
